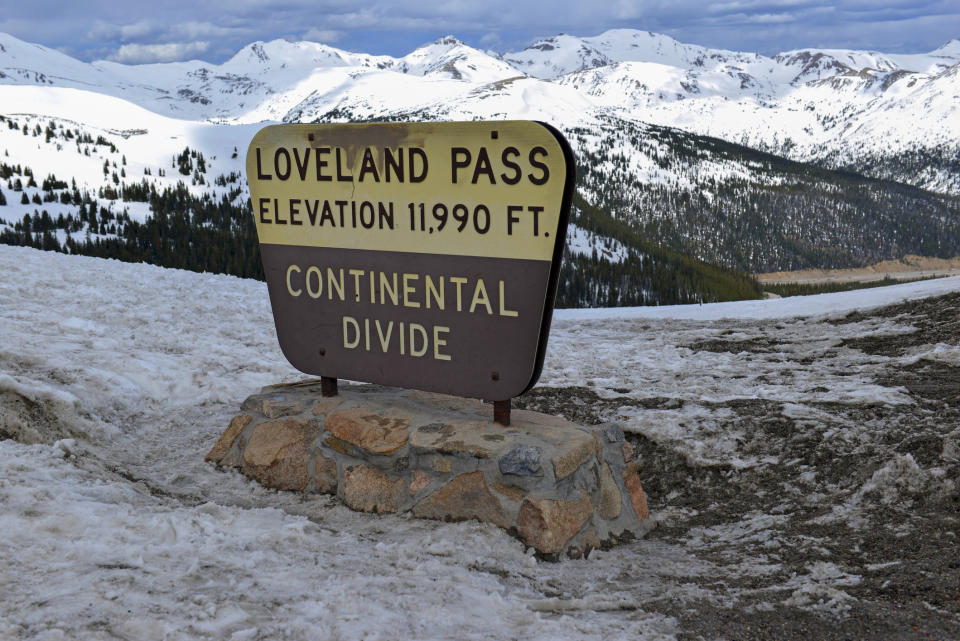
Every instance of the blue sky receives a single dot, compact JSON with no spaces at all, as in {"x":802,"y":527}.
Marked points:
{"x":135,"y":31}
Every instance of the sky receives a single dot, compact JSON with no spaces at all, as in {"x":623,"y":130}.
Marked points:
{"x":137,"y":31}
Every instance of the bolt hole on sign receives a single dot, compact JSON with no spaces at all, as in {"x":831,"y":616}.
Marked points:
{"x":418,"y":255}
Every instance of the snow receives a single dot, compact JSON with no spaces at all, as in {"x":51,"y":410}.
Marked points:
{"x":181,"y":549}
{"x":796,"y":306}
{"x":116,"y":378}
{"x":821,"y":105}
{"x":114,"y":526}
{"x":580,"y":241}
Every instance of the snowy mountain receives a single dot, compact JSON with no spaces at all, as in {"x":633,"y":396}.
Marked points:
{"x":833,"y":107}
{"x":840,"y":108}
{"x":551,"y":58}
{"x":684,"y":146}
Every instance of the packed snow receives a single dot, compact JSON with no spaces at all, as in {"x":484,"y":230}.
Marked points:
{"x":116,"y":378}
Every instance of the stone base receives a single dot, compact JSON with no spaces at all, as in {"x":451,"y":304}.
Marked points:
{"x":559,"y":487}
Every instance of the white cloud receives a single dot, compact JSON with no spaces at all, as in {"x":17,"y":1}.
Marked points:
{"x":325,"y":36}
{"x":378,"y":20}
{"x":490,"y":39}
{"x":197,"y":30}
{"x":148,"y":29}
{"x":135,"y":31}
{"x":168,"y":52}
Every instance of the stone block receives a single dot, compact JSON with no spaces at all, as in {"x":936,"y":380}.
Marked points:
{"x":222,"y":446}
{"x":539,"y":418}
{"x":441,"y":465}
{"x":465,"y":497}
{"x":561,"y":488}
{"x":512,"y":492}
{"x":611,"y":501}
{"x":325,"y":473}
{"x":376,"y":433}
{"x":253,"y":403}
{"x":420,"y":481}
{"x":522,"y":460}
{"x":547,"y":524}
{"x":278,"y":451}
{"x":367,"y":489}
{"x":280,"y":405}
{"x":470,"y":438}
{"x":579,"y":449}
{"x":448,"y":402}
{"x":631,"y":481}
{"x":323,"y":406}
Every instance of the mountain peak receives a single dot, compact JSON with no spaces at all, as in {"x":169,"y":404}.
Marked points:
{"x":448,"y":40}
{"x":451,"y":58}
{"x":949,"y":48}
{"x":282,"y":52}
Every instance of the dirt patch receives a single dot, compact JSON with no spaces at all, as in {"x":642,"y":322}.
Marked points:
{"x":927,"y":322}
{"x":761,"y":344}
{"x":29,"y":421}
{"x":909,"y":267}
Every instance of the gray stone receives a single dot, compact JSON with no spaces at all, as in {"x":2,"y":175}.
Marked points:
{"x":613,"y":432}
{"x":522,"y":460}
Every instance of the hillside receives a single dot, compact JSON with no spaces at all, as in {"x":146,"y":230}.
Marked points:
{"x":145,"y":162}
{"x":735,"y":206}
{"x":871,"y":112}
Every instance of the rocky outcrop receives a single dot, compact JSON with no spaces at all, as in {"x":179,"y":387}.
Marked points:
{"x":563,"y":489}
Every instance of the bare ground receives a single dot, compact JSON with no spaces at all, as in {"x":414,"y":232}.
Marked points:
{"x":907,"y":268}
{"x":849,"y":530}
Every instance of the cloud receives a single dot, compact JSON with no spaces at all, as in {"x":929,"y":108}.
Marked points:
{"x":325,"y":36}
{"x":379,"y":20}
{"x":168,"y":52}
{"x":124,"y":33}
{"x":144,"y":31}
{"x":206,"y":30}
{"x":396,"y":27}
{"x":490,"y":39}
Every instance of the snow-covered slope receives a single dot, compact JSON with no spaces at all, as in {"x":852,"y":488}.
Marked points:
{"x":832,"y":106}
{"x":263,"y":81}
{"x":796,"y":470}
{"x":551,"y":58}
{"x":839,"y":107}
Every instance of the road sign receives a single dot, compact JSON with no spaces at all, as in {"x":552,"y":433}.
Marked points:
{"x":420,"y":255}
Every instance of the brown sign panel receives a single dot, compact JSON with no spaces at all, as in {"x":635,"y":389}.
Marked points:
{"x":420,"y":255}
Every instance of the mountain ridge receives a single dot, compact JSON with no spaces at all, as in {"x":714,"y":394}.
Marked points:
{"x":826,"y":106}
{"x":658,"y":159}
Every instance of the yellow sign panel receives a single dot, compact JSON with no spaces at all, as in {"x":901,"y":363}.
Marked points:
{"x":466,"y":189}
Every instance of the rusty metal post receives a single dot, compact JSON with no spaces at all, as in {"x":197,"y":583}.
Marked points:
{"x":501,"y":412}
{"x":328,"y":386}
